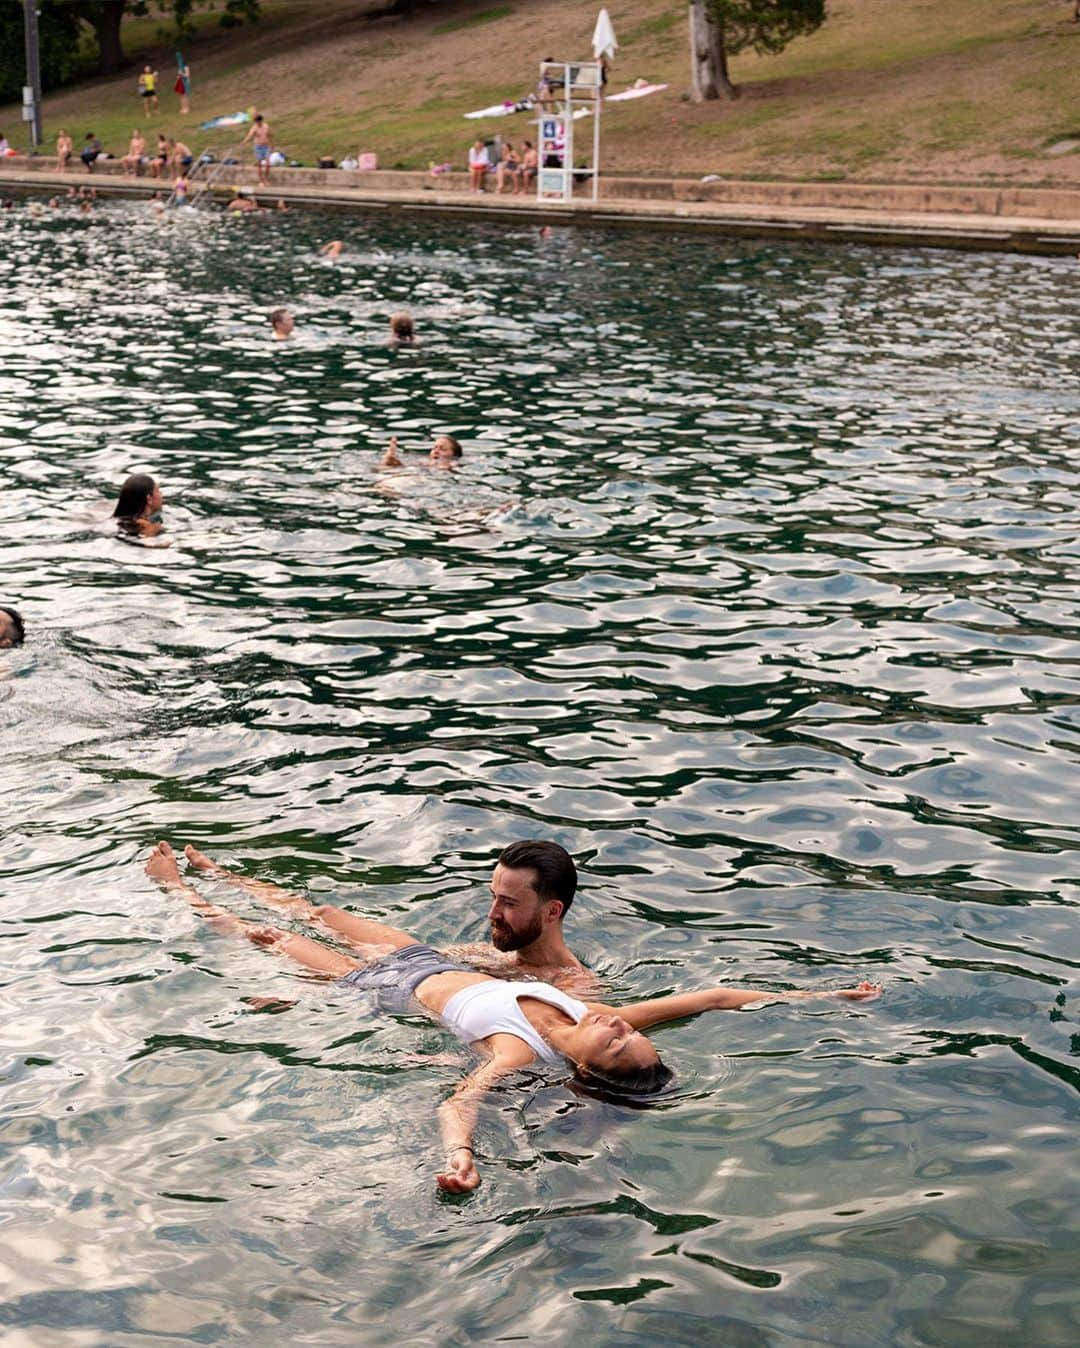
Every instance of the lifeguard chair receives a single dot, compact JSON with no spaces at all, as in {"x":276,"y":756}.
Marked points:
{"x":573,"y":90}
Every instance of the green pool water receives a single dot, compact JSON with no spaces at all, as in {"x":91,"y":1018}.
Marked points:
{"x":756,"y":588}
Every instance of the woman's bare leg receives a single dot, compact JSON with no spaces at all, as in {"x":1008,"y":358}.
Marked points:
{"x":162,"y":867}
{"x":358,"y":931}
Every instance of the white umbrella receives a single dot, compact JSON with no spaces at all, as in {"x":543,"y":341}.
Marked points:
{"x":603,"y":38}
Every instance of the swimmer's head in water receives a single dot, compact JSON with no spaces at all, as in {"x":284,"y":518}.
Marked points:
{"x":140,"y":497}
{"x":282,"y":322}
{"x":608,"y":1050}
{"x":12,"y":628}
{"x":402,"y":328}
{"x":445,"y":450}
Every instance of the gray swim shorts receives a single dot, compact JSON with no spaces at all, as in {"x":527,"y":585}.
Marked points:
{"x":393,"y":979}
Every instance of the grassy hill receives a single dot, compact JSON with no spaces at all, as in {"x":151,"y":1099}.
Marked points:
{"x":929,"y":90}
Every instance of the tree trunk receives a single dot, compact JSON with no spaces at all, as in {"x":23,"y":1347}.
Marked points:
{"x":106,"y":18}
{"x":708,"y":60}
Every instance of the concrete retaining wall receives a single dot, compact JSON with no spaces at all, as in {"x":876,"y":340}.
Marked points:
{"x":1046,"y":203}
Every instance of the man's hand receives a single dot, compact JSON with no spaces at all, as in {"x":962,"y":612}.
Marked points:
{"x":391,"y":458}
{"x":460,"y":1175}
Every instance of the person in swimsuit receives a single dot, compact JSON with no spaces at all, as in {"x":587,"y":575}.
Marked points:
{"x":138,"y":510}
{"x":527,"y":172}
{"x":264,"y":143}
{"x":160,"y":161}
{"x":64,"y":150}
{"x":12,"y":628}
{"x":134,"y":157}
{"x":512,"y":1025}
{"x":509,"y":167}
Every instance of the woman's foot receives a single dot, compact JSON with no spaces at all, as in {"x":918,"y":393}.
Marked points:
{"x":161,"y":865}
{"x":202,"y":862}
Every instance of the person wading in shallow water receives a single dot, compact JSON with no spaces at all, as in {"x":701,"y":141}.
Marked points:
{"x":511,"y":1025}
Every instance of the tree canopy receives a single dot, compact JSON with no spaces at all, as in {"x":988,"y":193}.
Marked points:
{"x":723,"y":28}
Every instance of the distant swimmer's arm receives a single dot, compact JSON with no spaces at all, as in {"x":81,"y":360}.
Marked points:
{"x":643,"y":1014}
{"x":457,"y":1115}
{"x":391,"y":459}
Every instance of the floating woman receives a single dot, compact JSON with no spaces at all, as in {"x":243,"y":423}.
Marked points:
{"x":510,"y":1024}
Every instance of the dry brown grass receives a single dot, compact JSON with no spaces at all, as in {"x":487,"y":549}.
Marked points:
{"x":943,"y":90}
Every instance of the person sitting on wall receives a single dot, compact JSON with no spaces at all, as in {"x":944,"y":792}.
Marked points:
{"x":90,"y":151}
{"x":478,"y":165}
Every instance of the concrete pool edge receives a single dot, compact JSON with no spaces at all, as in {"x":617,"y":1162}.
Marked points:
{"x":964,"y":227}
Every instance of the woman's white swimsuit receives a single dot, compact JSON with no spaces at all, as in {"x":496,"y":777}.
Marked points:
{"x":484,"y":1009}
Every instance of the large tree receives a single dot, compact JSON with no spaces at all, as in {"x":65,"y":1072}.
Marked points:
{"x":722,"y":28}
{"x":106,"y":16}
{"x":58,"y":44}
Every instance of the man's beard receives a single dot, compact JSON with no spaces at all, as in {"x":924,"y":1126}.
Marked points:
{"x":503,"y":938}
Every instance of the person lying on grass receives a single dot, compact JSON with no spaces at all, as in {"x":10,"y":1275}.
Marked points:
{"x":511,"y":1025}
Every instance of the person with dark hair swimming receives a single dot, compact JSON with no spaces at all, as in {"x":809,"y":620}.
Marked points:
{"x":138,"y":511}
{"x":512,"y":1025}
{"x":12,"y":628}
{"x":402,"y":330}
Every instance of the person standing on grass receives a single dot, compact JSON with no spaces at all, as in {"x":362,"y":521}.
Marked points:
{"x":183,"y":86}
{"x":263,"y":140}
{"x":148,"y":90}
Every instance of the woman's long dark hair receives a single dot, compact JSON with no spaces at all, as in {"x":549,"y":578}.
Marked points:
{"x":134,"y":495}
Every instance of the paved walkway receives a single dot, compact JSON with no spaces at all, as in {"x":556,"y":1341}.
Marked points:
{"x":669,"y":206}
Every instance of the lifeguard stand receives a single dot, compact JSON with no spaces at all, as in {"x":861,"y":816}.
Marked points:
{"x":575,"y":89}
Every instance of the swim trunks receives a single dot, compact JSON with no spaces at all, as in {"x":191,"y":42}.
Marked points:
{"x":393,"y":979}
{"x":262,"y":152}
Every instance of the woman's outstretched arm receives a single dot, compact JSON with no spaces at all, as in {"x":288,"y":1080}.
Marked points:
{"x":643,"y":1014}
{"x":457,"y":1115}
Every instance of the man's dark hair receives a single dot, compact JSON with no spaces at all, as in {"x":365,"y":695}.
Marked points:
{"x":17,"y":623}
{"x":134,"y":495}
{"x":556,"y":874}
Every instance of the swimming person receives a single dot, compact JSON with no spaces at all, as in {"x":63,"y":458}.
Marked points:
{"x":138,"y":511}
{"x":12,"y":628}
{"x":282,"y":323}
{"x":332,"y":250}
{"x":402,"y":330}
{"x":442,"y":454}
{"x":531,"y":891}
{"x":511,"y":1024}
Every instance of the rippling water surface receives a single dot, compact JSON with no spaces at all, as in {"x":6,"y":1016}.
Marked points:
{"x":756,"y":588}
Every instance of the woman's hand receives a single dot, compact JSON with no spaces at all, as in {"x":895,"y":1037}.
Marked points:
{"x":865,"y":992}
{"x":460,"y":1175}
